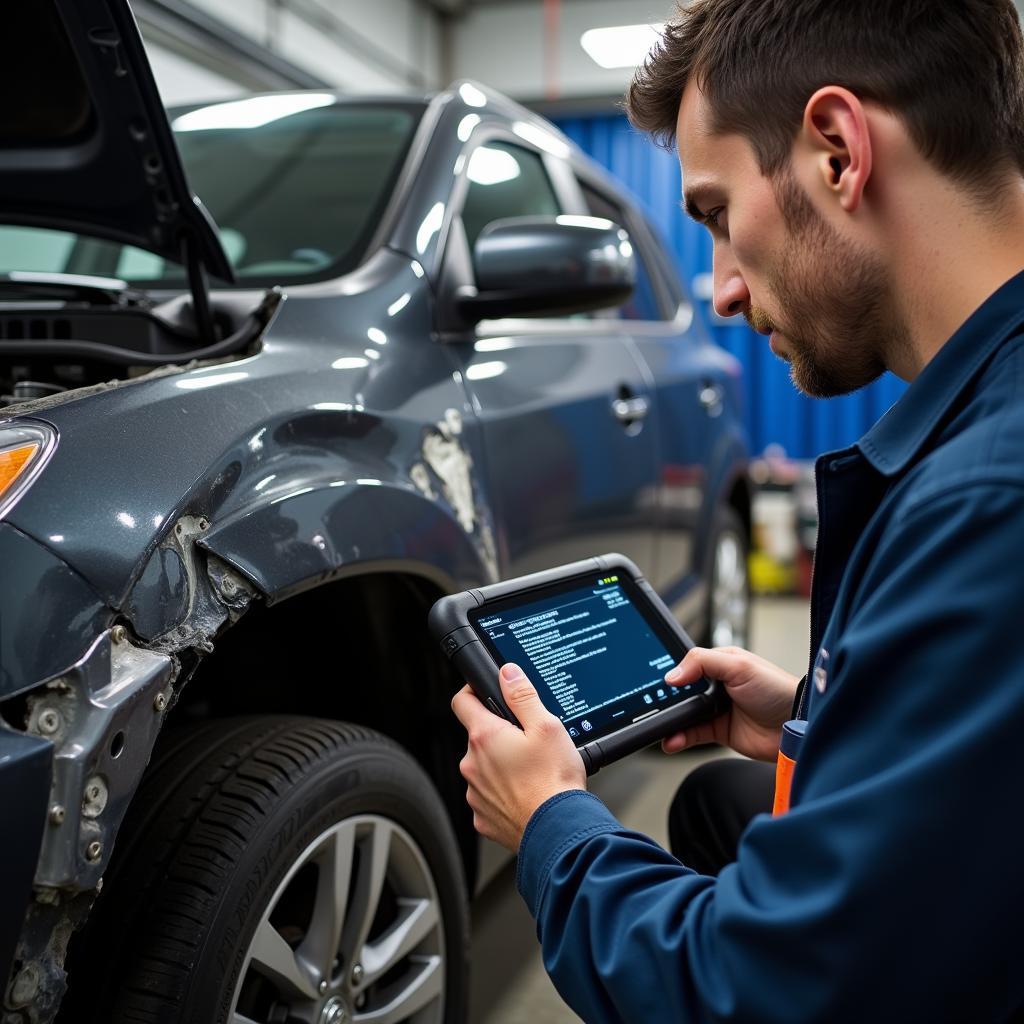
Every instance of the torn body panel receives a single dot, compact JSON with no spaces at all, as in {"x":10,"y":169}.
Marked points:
{"x":100,"y":718}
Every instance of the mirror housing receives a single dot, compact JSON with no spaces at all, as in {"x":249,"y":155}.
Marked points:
{"x":548,"y":266}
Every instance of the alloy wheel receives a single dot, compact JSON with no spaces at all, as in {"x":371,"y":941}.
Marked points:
{"x":352,"y":935}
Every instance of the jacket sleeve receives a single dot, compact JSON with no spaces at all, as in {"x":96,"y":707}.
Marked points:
{"x":893,"y":888}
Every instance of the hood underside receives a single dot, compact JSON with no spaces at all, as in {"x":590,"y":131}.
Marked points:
{"x":84,"y":141}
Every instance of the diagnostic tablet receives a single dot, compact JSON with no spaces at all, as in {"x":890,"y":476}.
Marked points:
{"x":594,"y":639}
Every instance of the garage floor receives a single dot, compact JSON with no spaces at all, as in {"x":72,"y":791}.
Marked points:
{"x":509,"y":985}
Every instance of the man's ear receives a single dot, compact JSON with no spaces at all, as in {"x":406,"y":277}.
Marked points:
{"x":835,"y":130}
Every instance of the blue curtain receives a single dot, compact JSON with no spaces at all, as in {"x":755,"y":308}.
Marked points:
{"x":775,"y":412}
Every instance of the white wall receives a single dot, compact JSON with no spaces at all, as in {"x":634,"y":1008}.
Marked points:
{"x":379,"y":46}
{"x":503,"y":45}
{"x":181,"y":81}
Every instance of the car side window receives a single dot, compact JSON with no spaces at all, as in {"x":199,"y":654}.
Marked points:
{"x":643,"y":303}
{"x":505,"y":180}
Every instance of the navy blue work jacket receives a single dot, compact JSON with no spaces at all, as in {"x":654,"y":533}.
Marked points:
{"x":893,"y":890}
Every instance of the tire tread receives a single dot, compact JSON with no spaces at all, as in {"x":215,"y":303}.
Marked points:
{"x":191,"y":844}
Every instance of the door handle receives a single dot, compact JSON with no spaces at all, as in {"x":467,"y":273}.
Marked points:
{"x":630,"y":410}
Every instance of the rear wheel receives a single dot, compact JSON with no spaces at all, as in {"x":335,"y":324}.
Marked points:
{"x":278,"y":871}
{"x":728,"y":607}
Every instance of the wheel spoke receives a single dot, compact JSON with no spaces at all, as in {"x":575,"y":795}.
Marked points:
{"x":275,"y":960}
{"x":729,"y":564}
{"x":374,"y":851}
{"x":417,"y":919}
{"x":729,"y":593}
{"x":319,"y":948}
{"x":422,"y":988}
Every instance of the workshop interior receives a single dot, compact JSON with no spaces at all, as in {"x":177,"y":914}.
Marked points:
{"x":317,"y":315}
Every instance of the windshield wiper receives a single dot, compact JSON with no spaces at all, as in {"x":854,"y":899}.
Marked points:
{"x":107,"y":291}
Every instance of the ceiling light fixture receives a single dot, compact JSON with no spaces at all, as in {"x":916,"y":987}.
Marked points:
{"x":620,"y":46}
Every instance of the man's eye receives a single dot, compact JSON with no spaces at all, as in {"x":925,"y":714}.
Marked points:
{"x":714,"y":218}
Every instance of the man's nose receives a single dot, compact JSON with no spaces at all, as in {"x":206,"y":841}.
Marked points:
{"x":731,"y":296}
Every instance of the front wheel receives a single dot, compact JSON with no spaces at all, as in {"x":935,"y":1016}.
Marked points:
{"x":280,"y":871}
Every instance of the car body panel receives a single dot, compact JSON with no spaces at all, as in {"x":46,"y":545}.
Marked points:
{"x":567,"y":478}
{"x":247,"y":444}
{"x":347,"y":527}
{"x":695,"y":408}
{"x":47,"y":617}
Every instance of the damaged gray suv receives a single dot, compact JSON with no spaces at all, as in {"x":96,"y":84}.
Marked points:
{"x":427,"y":345}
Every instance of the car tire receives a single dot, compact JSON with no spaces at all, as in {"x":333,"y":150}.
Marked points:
{"x":278,"y":869}
{"x":727,"y":607}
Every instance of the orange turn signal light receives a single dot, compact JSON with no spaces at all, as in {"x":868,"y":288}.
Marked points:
{"x":14,"y":462}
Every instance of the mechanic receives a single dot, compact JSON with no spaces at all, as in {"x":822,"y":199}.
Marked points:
{"x":859,"y":166}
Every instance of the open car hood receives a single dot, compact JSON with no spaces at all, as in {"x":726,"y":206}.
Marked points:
{"x":84,"y":141}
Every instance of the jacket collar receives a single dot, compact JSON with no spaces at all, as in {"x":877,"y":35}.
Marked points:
{"x":893,"y":442}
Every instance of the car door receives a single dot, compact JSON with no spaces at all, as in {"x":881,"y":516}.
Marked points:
{"x":685,"y":373}
{"x":561,"y":402}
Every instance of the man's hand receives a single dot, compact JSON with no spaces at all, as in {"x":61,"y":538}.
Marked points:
{"x":762,"y":699}
{"x":511,"y":772}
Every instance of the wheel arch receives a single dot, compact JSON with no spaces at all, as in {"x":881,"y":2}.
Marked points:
{"x":728,"y":483}
{"x":354,"y":648}
{"x":321,"y":534}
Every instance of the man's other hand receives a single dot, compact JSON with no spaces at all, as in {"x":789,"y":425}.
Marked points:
{"x":511,"y":772}
{"x":762,"y":699}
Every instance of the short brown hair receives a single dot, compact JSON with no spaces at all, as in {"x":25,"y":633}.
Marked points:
{"x":950,"y":69}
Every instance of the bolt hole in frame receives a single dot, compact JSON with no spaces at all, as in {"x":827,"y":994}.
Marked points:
{"x":595,"y":639}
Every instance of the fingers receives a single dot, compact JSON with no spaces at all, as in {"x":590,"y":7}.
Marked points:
{"x":689,"y":670}
{"x":468,"y":709}
{"x":673,"y":744}
{"x":521,"y":697}
{"x":724,"y":663}
{"x":693,"y":737}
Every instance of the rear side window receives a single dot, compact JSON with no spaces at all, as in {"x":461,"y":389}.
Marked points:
{"x":505,"y":180}
{"x":643,"y":303}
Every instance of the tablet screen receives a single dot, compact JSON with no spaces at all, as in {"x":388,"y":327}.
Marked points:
{"x":595,"y":649}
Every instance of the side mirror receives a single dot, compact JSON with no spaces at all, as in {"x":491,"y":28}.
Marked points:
{"x":537,"y":266}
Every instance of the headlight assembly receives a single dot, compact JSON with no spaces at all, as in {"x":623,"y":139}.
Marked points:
{"x":24,"y":449}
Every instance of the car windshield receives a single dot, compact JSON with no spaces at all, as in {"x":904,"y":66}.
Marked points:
{"x":296,"y":183}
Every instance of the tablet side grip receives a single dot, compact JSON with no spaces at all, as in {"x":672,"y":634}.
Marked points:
{"x":702,"y":707}
{"x":474,"y":663}
{"x":448,"y":621}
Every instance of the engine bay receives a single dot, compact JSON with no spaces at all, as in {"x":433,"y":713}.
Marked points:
{"x":52,"y":343}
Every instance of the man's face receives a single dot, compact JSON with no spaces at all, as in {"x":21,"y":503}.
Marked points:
{"x":822,"y":297}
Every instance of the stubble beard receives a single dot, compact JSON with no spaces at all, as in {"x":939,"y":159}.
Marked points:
{"x":836,"y":300}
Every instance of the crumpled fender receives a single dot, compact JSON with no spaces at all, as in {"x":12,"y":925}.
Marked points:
{"x":308,"y":538}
